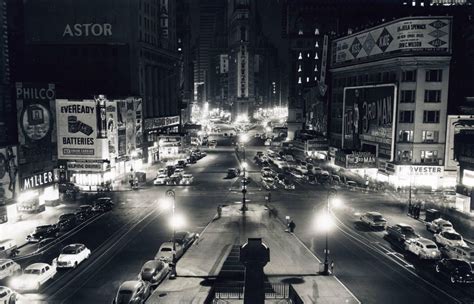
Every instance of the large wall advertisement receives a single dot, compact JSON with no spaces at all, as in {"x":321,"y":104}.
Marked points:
{"x":72,"y":21}
{"x":36,"y":122}
{"x":127,"y":127}
{"x":8,"y":173}
{"x":369,"y":119}
{"x":112,"y":128}
{"x":412,"y":35}
{"x":81,"y":129}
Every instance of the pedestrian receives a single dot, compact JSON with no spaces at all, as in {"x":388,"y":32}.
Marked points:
{"x":292,"y":226}
{"x":269,"y":197}
{"x":332,"y":267}
{"x":417,"y":211}
{"x":410,"y":208}
{"x":219,"y":211}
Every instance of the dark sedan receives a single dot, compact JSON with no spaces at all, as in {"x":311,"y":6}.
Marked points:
{"x":42,"y":232}
{"x":458,"y":271}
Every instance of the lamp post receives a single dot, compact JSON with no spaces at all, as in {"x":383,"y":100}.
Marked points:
{"x":243,"y":140}
{"x":172,"y":195}
{"x":331,"y":193}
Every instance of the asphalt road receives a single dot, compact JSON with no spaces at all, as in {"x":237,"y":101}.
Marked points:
{"x":375,"y":270}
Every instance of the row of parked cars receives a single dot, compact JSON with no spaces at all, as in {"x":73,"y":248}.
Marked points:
{"x":173,"y":174}
{"x":154,"y":271}
{"x":455,"y":257}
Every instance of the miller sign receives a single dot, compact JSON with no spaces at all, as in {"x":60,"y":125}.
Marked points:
{"x":87,"y":29}
{"x":369,"y":114}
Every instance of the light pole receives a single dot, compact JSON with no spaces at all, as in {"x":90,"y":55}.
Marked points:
{"x":331,"y":193}
{"x":172,"y":195}
{"x":243,"y":140}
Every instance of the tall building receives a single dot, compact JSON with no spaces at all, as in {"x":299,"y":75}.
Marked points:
{"x":183,"y":33}
{"x":7,"y":120}
{"x":389,"y":100}
{"x":130,"y":51}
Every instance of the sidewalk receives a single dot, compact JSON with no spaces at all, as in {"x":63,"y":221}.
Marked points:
{"x":290,"y":260}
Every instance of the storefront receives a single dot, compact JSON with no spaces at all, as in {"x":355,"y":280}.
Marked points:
{"x":90,"y":175}
{"x":417,"y":176}
{"x":37,"y":191}
{"x":155,"y":128}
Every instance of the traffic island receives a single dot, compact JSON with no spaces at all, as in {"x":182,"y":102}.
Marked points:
{"x":211,"y":269}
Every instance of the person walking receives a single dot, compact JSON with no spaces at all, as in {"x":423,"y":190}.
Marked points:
{"x":332,"y":267}
{"x":291,"y":226}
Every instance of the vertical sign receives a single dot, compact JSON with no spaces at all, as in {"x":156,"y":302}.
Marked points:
{"x":139,"y":122}
{"x":112,"y":130}
{"x":36,"y":126}
{"x":8,"y":173}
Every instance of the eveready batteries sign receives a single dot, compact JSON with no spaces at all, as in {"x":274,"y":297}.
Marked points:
{"x":78,"y":123}
{"x":420,"y":34}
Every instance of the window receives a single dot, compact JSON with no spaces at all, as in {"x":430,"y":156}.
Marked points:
{"x":434,"y":75}
{"x":404,"y":155}
{"x":407,"y":96}
{"x":431,"y":116}
{"x":432,"y":95}
{"x":429,"y":136}
{"x":405,"y":136}
{"x":429,"y":156}
{"x":406,"y":116}
{"x":409,"y":76}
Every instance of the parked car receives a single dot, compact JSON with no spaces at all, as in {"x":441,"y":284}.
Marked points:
{"x":84,"y":212}
{"x":458,"y":271}
{"x":185,"y":238}
{"x":8,"y":296}
{"x":45,"y":243}
{"x":72,"y":255}
{"x":297,"y":174}
{"x":162,"y":171}
{"x":154,"y":271}
{"x":335,"y":179}
{"x":439,"y":225}
{"x":449,"y":238}
{"x":8,"y":248}
{"x":41,"y":232}
{"x":268,"y":182}
{"x":67,"y":186}
{"x":187,"y":179}
{"x":133,"y":292}
{"x":402,"y":232}
{"x":103,"y":204}
{"x":34,"y":276}
{"x":161,"y":180}
{"x":181,"y":164}
{"x":458,"y":252}
{"x":287,"y":184}
{"x":8,"y":268}
{"x":212,"y":143}
{"x":373,"y":220}
{"x":174,"y":179}
{"x":67,"y":223}
{"x":303,"y":168}
{"x":165,"y":253}
{"x":423,"y":248}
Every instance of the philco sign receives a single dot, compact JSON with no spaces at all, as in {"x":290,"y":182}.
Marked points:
{"x":33,"y":93}
{"x":38,"y":180}
{"x":87,"y":29}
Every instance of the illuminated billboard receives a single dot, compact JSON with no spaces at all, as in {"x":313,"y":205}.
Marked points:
{"x":426,"y":35}
{"x":369,"y":119}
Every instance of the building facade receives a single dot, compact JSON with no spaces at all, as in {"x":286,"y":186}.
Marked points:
{"x":390,"y":96}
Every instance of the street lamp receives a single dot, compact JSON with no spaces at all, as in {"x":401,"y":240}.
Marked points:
{"x":243,"y":139}
{"x":327,"y":223}
{"x":171,"y":195}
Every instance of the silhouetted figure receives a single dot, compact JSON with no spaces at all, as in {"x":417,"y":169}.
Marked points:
{"x":291,"y":226}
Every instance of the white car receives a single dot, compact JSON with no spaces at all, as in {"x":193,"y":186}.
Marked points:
{"x":8,"y":268}
{"x":187,"y":179}
{"x":165,"y":253}
{"x":178,"y":171}
{"x":297,"y":174}
{"x":439,"y":225}
{"x":423,"y":248}
{"x":161,"y":179}
{"x":34,"y":276}
{"x":72,"y":255}
{"x":450,"y":238}
{"x":373,"y":220}
{"x":7,"y":296}
{"x":162,"y":171}
{"x":302,"y":168}
{"x":266,"y":171}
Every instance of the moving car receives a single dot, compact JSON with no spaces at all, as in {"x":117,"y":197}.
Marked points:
{"x":185,"y":238}
{"x":174,"y":179}
{"x":162,"y":171}
{"x":165,"y":253}
{"x":297,"y":174}
{"x":439,"y":225}
{"x":84,"y":212}
{"x":103,"y":204}
{"x":402,"y":232}
{"x":266,"y":171}
{"x":187,"y":179}
{"x":133,"y":292}
{"x":268,"y":182}
{"x":8,"y":248}
{"x":181,"y":164}
{"x":449,"y":238}
{"x":161,"y":180}
{"x":287,"y":184}
{"x":7,"y":296}
{"x":34,"y":276}
{"x":8,"y":268}
{"x":67,"y":221}
{"x":42,"y":232}
{"x":72,"y":255}
{"x":373,"y":220}
{"x":154,"y":271}
{"x":458,"y":271}
{"x":464,"y":253}
{"x":423,"y":248}
{"x":232,"y":172}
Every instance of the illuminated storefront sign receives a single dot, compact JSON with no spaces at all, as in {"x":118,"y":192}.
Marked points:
{"x":85,"y":166}
{"x":161,"y":122}
{"x":369,"y":115}
{"x":355,"y":160}
{"x":87,"y":29}
{"x":420,"y":170}
{"x":39,"y":180}
{"x":468,"y":178}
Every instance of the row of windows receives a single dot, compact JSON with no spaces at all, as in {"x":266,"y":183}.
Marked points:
{"x":427,"y":136}
{"x":365,"y":78}
{"x":426,"y":156}
{"x":428,"y":116}
{"x":430,"y":75}
{"x":409,"y":96}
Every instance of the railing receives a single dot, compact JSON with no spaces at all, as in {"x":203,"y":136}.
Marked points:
{"x":235,"y":290}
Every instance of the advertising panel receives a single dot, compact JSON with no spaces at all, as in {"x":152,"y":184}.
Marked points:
{"x":369,"y":116}
{"x":355,"y":159}
{"x":78,"y":125}
{"x":36,"y":121}
{"x":127,"y":126}
{"x":72,"y":21}
{"x":468,"y":178}
{"x":39,"y":180}
{"x":420,"y":170}
{"x":112,"y":129}
{"x":139,"y":122}
{"x":8,"y":173}
{"x":161,"y":122}
{"x":455,"y":124}
{"x":86,"y":166}
{"x":430,"y":35}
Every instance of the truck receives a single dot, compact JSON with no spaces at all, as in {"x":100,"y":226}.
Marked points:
{"x":29,"y":202}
